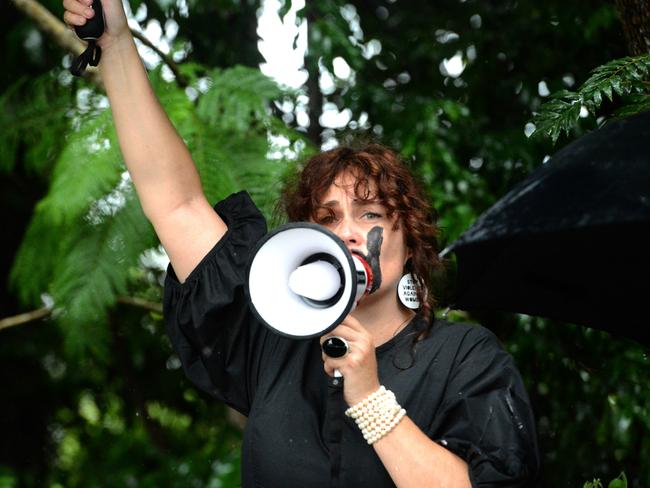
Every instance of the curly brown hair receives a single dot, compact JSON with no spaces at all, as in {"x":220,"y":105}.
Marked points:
{"x":396,"y":188}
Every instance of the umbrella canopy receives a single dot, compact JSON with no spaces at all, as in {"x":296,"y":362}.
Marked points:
{"x":572,"y":241}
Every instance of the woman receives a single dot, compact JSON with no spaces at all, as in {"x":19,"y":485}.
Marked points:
{"x":451,"y":407}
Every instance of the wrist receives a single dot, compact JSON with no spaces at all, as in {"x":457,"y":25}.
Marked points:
{"x":360,"y":396}
{"x":115,"y":44}
{"x":377,"y":415}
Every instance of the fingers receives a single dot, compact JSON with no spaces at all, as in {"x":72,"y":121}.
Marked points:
{"x":348,"y":330}
{"x":353,"y":324}
{"x":77,"y":12}
{"x":360,"y":342}
{"x":329,"y":370}
{"x":357,"y":356}
{"x":359,"y":365}
{"x":74,"y":20}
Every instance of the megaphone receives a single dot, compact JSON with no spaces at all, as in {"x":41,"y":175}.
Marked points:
{"x":302,"y":281}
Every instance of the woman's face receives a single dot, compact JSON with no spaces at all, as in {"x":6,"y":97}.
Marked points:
{"x":366,"y":230}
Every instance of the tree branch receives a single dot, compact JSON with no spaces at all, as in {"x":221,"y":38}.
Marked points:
{"x":25,"y":318}
{"x":141,"y":303}
{"x":65,"y":37}
{"x":41,"y":313}
{"x":180,"y":79}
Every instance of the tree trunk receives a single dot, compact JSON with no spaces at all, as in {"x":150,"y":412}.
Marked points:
{"x":635,"y":17}
{"x":315,"y":102}
{"x":315,"y":108}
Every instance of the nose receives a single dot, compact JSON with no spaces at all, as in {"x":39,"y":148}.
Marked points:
{"x":349,"y":233}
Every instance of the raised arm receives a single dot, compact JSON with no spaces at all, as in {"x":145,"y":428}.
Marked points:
{"x":158,"y":161}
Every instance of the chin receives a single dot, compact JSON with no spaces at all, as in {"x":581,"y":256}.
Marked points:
{"x":380,"y":296}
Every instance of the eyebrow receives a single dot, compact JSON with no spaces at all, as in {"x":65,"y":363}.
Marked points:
{"x":357,"y":201}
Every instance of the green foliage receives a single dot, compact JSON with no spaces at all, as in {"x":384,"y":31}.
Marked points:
{"x":88,"y":168}
{"x":94,"y":271}
{"x":7,"y":478}
{"x":603,"y":380}
{"x":620,"y":482}
{"x":622,"y":77}
{"x":229,"y":136}
{"x":34,"y":120}
{"x":104,"y":437}
{"x":90,"y":220}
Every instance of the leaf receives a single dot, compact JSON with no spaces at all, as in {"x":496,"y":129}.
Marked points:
{"x":88,"y":168}
{"x":89,"y":230}
{"x":596,"y":483}
{"x":621,"y":76}
{"x":33,"y":117}
{"x":228,"y":135}
{"x":619,"y":482}
{"x":607,"y":90}
{"x":94,"y":272}
{"x":634,"y":104}
{"x":41,"y":247}
{"x":597,"y":99}
{"x":559,"y":115}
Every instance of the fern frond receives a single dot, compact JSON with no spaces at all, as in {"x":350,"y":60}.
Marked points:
{"x":41,"y":247}
{"x":89,"y":231}
{"x":34,"y":115}
{"x":622,"y":77}
{"x":228,"y":134}
{"x":634,"y":104}
{"x":238,"y":99}
{"x":558,"y":114}
{"x":203,"y":143}
{"x":95,"y":271}
{"x":89,"y":167}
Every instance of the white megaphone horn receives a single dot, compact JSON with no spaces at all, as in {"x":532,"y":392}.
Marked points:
{"x":302,"y":281}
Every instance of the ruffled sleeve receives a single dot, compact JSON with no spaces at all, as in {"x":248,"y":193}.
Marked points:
{"x":208,"y":318}
{"x":485,"y":417}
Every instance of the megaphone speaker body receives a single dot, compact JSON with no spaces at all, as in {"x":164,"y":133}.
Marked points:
{"x":302,"y":281}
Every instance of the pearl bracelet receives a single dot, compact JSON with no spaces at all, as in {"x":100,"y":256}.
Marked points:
{"x":377,"y":414}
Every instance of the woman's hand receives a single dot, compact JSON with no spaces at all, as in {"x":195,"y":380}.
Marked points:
{"x":77,"y":13}
{"x":359,"y":365}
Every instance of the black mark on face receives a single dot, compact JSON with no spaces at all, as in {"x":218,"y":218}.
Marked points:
{"x":373,"y":243}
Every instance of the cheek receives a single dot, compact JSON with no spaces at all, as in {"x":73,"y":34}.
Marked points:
{"x":394,"y":256}
{"x":392,"y":263}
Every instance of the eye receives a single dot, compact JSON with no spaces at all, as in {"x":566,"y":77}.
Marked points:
{"x":325,"y":218}
{"x":371,"y":216}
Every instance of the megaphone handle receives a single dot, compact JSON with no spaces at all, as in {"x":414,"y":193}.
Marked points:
{"x":90,"y":32}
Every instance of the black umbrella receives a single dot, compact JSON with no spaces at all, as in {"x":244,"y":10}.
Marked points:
{"x":572,"y":241}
